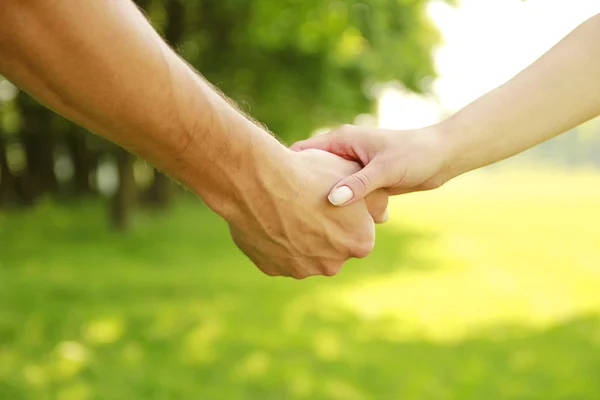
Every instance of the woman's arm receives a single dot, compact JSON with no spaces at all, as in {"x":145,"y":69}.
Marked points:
{"x":556,"y":93}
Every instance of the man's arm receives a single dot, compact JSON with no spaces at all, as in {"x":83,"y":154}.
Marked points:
{"x":100,"y":64}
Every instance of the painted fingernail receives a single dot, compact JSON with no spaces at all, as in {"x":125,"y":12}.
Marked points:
{"x":340,"y":196}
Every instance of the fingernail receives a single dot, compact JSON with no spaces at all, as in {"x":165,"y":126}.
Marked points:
{"x":386,"y":215}
{"x":340,"y":196}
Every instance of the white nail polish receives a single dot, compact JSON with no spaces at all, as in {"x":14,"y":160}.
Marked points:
{"x":340,"y":196}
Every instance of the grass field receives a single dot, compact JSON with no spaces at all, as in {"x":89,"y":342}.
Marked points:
{"x":488,"y":288}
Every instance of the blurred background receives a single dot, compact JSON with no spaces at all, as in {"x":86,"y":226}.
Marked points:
{"x":117,"y":284}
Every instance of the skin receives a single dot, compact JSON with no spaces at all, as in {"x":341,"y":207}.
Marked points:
{"x":101,"y":64}
{"x":556,"y":93}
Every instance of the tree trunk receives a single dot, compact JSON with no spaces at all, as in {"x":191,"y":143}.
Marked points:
{"x":7,"y":180}
{"x":175,"y":23}
{"x":124,"y":199}
{"x":83,"y":161}
{"x":161,"y":191}
{"x":37,"y":140}
{"x":13,"y":188}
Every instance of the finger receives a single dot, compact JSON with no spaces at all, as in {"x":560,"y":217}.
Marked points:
{"x":401,"y":191}
{"x":265,"y":266}
{"x":331,"y":268}
{"x":377,"y":205}
{"x":321,"y":142}
{"x":340,"y":141}
{"x":357,"y":186}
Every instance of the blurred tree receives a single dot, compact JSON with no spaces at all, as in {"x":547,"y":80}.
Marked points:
{"x":37,"y":139}
{"x":297,"y":65}
{"x":125,"y":196}
{"x":7,"y":180}
{"x":83,"y":159}
{"x":294,"y":65}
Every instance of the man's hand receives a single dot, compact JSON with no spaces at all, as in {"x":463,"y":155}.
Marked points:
{"x":397,"y":161}
{"x":123,"y":82}
{"x":289,"y":229}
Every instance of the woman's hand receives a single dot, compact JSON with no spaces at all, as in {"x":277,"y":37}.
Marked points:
{"x":554,"y":94}
{"x":398,"y":161}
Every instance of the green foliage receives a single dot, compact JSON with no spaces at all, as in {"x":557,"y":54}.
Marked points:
{"x":297,"y":65}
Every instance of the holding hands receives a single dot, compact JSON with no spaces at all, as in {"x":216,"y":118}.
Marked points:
{"x":398,"y":161}
{"x":554,"y":94}
{"x":289,"y":229}
{"x":140,"y":94}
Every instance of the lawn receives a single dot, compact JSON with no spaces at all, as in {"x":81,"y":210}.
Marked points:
{"x":488,"y":288}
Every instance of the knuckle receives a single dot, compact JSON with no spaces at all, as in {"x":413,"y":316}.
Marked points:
{"x":383,"y":171}
{"x":347,"y":127}
{"x":299,"y":275}
{"x":270,"y":273}
{"x":268,"y":270}
{"x":344,"y":129}
{"x":385,"y":163}
{"x":362,"y":248}
{"x":433,"y":184}
{"x":332,"y":270}
{"x":361,"y":180}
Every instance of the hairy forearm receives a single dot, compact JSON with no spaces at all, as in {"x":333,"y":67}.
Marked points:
{"x":103,"y":66}
{"x":556,"y":93}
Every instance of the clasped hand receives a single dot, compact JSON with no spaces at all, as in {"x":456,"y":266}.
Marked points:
{"x":321,"y":208}
{"x":290,"y":229}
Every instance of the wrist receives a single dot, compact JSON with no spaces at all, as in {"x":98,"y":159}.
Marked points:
{"x":226,"y":159}
{"x":453,"y":159}
{"x":428,"y":157}
{"x":234,"y":182}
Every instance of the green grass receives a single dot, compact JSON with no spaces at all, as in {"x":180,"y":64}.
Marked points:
{"x":489,"y":288}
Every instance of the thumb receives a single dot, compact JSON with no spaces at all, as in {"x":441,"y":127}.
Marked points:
{"x":357,"y":186}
